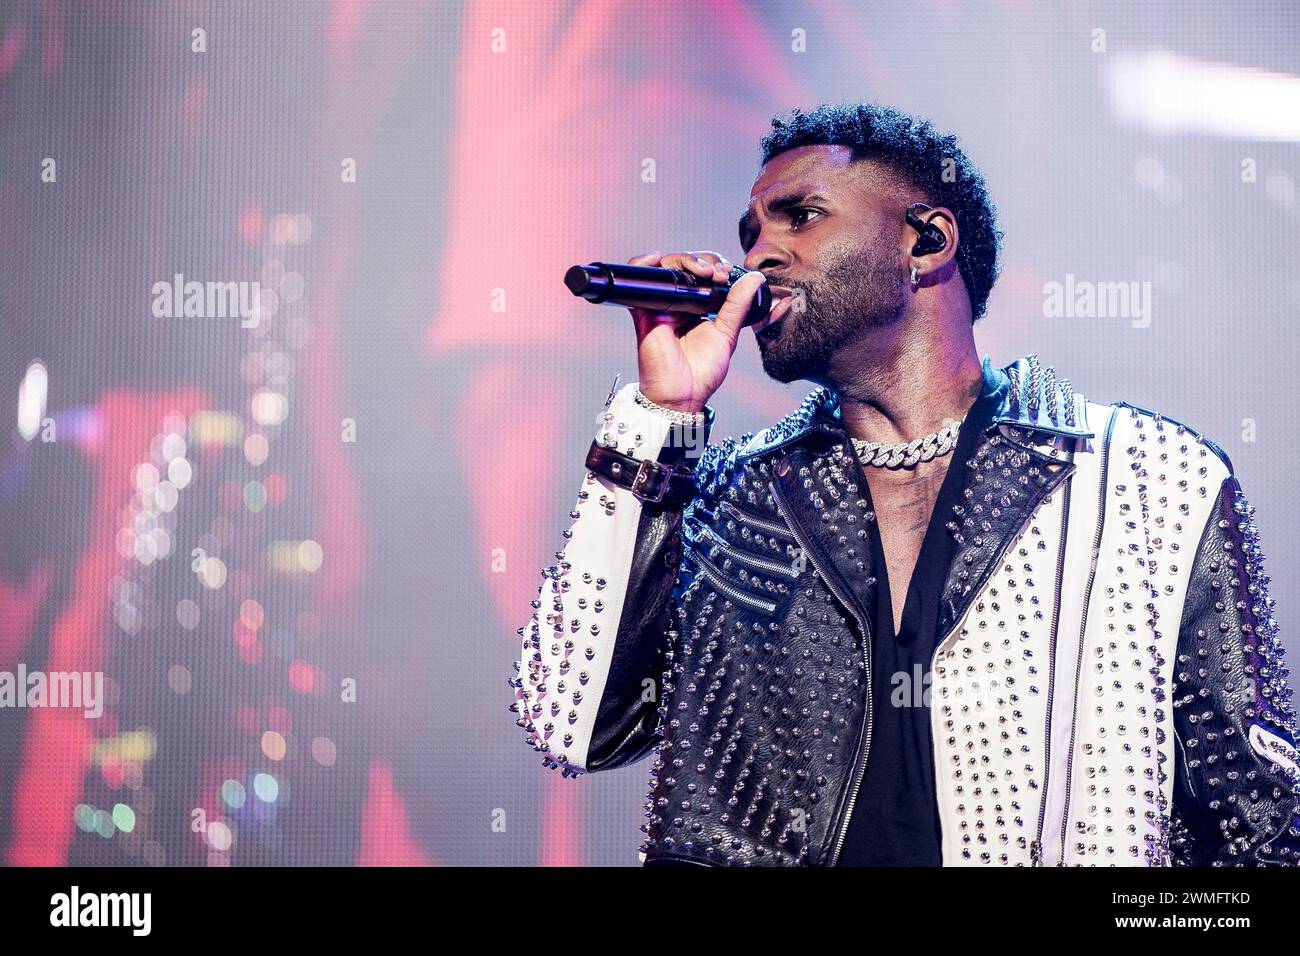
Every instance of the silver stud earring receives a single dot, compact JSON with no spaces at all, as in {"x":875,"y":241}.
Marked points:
{"x":914,"y":278}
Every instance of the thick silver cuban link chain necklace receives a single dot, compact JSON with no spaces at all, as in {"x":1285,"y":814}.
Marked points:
{"x":905,"y":454}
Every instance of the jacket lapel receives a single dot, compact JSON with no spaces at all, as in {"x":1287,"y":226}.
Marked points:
{"x":819,"y":486}
{"x":1004,"y":482}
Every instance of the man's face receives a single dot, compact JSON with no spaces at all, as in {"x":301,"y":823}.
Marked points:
{"x":830,"y":231}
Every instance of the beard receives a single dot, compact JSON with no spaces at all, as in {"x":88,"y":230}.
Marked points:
{"x":856,"y":293}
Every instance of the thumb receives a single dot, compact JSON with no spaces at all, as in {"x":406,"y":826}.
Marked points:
{"x":736,"y":307}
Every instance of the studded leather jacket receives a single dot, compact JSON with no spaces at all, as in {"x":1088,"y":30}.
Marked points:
{"x":1108,"y":687}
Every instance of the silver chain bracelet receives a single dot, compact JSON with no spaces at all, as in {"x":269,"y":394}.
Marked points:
{"x":685,"y":418}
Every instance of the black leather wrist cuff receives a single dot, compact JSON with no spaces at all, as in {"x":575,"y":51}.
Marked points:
{"x":647,"y":479}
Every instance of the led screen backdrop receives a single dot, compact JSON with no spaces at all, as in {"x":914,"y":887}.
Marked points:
{"x":297,"y":403}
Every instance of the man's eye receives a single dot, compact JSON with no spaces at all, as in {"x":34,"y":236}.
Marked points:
{"x":799,"y":211}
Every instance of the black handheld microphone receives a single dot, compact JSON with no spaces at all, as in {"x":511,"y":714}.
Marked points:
{"x":660,"y":290}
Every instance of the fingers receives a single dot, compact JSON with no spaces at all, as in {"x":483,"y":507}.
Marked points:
{"x":705,"y":264}
{"x":712,"y":265}
{"x":731,"y":316}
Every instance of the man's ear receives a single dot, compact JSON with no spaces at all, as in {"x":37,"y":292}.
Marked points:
{"x":931,"y":263}
{"x":943,"y":218}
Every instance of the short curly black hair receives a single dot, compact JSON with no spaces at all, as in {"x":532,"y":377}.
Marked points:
{"x":920,"y":155}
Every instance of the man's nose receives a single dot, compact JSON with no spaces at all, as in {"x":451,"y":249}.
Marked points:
{"x":765,"y":256}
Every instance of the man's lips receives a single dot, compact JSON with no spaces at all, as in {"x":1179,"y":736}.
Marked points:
{"x":780,"y":305}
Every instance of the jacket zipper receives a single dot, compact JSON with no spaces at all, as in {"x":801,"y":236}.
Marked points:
{"x":864,"y":745}
{"x":762,"y":524}
{"x":720,"y":584}
{"x":1083,"y":626}
{"x":1036,"y":847}
{"x":753,"y":560}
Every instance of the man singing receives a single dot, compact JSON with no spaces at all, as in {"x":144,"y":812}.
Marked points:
{"x":942,"y":614}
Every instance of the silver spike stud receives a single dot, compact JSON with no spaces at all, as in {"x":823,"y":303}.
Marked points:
{"x":1034,"y":385}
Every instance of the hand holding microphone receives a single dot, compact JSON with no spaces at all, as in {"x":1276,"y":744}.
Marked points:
{"x":682,"y":359}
